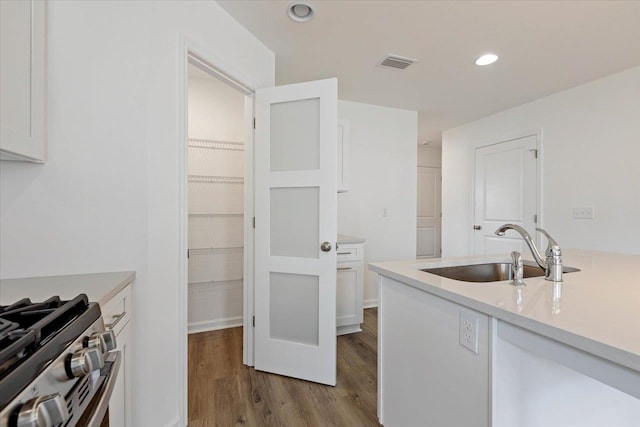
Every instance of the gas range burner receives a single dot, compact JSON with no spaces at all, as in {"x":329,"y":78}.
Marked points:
{"x":58,"y":364}
{"x":33,"y":334}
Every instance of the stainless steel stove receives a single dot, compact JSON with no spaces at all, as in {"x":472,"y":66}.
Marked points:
{"x":57,"y":364}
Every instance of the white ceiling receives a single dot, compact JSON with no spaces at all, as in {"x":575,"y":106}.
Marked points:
{"x":544,"y":47}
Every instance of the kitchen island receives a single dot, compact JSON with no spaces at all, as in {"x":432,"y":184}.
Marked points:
{"x":492,"y":354}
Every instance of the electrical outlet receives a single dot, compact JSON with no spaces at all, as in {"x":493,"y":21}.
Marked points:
{"x":469,"y":331}
{"x":585,"y":212}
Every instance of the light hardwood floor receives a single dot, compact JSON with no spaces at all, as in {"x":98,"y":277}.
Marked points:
{"x":223,"y":392}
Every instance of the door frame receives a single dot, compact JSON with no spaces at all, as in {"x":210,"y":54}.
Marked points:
{"x":190,"y":51}
{"x":501,"y":139}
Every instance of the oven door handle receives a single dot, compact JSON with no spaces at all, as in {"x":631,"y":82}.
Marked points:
{"x":100,"y":411}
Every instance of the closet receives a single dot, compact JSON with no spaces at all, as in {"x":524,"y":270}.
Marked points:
{"x":215,"y":193}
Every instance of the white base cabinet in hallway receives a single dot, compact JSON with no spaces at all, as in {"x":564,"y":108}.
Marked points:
{"x":349,"y":285}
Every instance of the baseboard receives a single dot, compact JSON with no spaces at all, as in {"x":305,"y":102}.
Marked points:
{"x":173,"y":423}
{"x":370,"y":303}
{"x":350,"y":329}
{"x":214,"y":325}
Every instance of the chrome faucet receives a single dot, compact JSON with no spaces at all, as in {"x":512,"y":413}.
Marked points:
{"x":552,"y":264}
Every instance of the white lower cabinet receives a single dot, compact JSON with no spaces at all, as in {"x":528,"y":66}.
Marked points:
{"x":349,"y":288}
{"x":119,"y":405}
{"x":117,"y":316}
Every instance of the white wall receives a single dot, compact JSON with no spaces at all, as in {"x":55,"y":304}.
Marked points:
{"x":107,"y":199}
{"x":85,"y":209}
{"x":429,"y":156}
{"x":590,"y":155}
{"x":216,"y":110}
{"x":382,"y":176}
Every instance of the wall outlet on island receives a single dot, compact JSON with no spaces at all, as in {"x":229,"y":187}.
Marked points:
{"x":469,"y":331}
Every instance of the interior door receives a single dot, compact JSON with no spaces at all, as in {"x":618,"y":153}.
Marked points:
{"x":505,"y":192}
{"x":429,"y":217}
{"x":296,"y":230}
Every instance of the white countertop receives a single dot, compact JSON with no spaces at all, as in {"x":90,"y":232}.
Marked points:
{"x":598,"y":312}
{"x":99,"y":287}
{"x":345,"y":239}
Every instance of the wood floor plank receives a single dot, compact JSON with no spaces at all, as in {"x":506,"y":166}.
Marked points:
{"x":223,"y":392}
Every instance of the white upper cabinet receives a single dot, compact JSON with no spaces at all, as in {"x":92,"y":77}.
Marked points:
{"x":343,"y":156}
{"x":22,"y":80}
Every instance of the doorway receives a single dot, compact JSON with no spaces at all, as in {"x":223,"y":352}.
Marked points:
{"x":218,"y":210}
{"x":218,"y":207}
{"x":215,"y":209}
{"x":429,"y":201}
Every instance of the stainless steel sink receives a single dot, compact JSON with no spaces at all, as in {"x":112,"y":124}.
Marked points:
{"x":493,"y":272}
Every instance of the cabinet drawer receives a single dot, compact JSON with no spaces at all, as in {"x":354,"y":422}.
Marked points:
{"x":350,"y":252}
{"x":117,"y":312}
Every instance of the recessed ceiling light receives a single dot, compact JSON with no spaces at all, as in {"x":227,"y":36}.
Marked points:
{"x":300,"y":12}
{"x":487,"y":59}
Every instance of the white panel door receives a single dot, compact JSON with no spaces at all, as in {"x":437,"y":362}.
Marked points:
{"x":296,"y":229}
{"x":505,"y":192}
{"x":429,"y":212}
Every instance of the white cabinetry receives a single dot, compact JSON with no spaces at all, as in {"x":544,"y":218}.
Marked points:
{"x":349,"y":288}
{"x":22,"y":80}
{"x":117,"y":315}
{"x":343,"y":156}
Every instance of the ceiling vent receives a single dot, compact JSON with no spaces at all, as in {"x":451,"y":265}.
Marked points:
{"x":395,"y":61}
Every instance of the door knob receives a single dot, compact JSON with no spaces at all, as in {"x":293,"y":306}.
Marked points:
{"x":325,"y":246}
{"x":477,"y":227}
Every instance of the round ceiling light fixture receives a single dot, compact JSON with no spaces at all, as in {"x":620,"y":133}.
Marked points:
{"x":300,"y":12}
{"x":487,"y":59}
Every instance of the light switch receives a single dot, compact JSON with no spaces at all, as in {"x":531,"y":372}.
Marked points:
{"x":585,"y":212}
